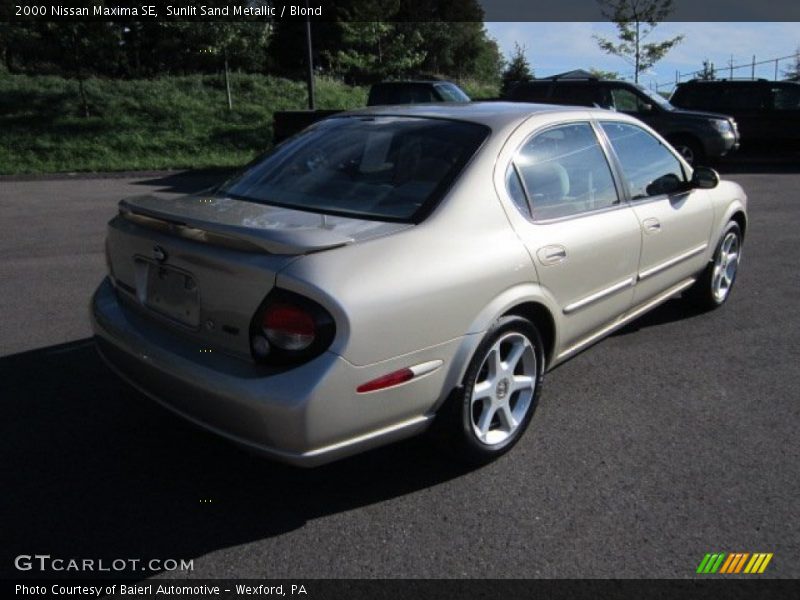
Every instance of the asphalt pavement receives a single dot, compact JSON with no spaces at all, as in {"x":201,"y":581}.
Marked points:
{"x":675,"y":437}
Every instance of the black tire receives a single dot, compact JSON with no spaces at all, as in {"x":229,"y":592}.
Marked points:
{"x":689,"y":148}
{"x":455,"y":424}
{"x":705,"y":293}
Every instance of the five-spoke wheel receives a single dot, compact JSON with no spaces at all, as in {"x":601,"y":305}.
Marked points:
{"x":713,"y":286}
{"x":725,"y":265}
{"x":503,"y":391}
{"x":488,"y":414}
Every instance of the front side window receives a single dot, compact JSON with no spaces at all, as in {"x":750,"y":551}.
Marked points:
{"x":649,"y":167}
{"x":656,"y":98}
{"x":565,"y":172}
{"x":374,"y":167}
{"x":627,"y":101}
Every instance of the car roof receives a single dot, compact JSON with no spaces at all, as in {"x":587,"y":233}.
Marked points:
{"x":495,"y":115}
{"x":726,"y":82}
{"x":407,"y":81}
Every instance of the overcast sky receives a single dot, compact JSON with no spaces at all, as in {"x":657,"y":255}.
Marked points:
{"x":557,"y":47}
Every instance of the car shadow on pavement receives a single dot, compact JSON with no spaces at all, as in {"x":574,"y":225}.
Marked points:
{"x":673,"y":310}
{"x":91,"y":468}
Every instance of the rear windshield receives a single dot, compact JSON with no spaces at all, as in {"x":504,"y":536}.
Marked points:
{"x":382,"y":168}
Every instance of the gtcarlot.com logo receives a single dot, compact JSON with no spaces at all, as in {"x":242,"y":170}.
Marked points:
{"x":46,"y":562}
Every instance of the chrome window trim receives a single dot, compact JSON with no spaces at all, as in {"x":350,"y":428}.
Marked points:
{"x":618,"y":163}
{"x":621,"y":197}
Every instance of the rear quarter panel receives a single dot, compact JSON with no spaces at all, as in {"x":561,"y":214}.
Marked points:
{"x":424,"y":286}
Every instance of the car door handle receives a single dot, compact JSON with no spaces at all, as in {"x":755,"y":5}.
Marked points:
{"x":550,"y":255}
{"x":651,"y":225}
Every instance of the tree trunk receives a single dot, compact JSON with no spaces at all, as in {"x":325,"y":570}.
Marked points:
{"x":76,"y":57}
{"x":84,"y":101}
{"x":228,"y":83}
{"x":638,"y":51}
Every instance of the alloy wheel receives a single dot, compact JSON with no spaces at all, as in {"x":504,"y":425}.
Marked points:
{"x":504,"y":389}
{"x":725,"y":265}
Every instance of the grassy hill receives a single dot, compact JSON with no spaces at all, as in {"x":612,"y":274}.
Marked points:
{"x":165,"y":123}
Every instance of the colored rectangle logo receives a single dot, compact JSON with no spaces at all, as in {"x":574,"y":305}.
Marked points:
{"x":734,"y":563}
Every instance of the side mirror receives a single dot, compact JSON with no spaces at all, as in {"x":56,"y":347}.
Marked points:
{"x":666,"y":184}
{"x":705,"y":178}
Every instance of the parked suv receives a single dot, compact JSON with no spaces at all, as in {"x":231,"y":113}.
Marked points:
{"x":696,"y":135}
{"x":768,"y":112}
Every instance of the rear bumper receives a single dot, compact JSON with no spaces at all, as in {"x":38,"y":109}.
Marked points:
{"x":305,"y":416}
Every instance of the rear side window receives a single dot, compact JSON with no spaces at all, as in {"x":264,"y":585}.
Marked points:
{"x":575,"y":94}
{"x":731,"y":96}
{"x":382,"y":168}
{"x":401,"y":94}
{"x":786,"y":97}
{"x":565,"y":172}
{"x":649,"y":167}
{"x":695,"y":96}
{"x":742,"y":97}
{"x":529,"y":92}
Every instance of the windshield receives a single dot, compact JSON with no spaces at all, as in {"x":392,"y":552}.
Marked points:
{"x":381,"y":167}
{"x":451,"y":93}
{"x":656,"y":97}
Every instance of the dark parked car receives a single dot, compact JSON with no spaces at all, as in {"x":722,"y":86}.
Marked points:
{"x":768,"y":112}
{"x":288,"y":122}
{"x":696,"y":135}
{"x":415,"y":92}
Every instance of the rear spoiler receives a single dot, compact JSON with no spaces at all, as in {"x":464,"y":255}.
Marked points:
{"x":252,"y":239}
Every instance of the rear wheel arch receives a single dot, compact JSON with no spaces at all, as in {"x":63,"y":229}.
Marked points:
{"x":528,"y":301}
{"x":543,"y":320}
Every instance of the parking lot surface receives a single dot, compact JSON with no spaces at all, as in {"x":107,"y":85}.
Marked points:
{"x":675,"y":437}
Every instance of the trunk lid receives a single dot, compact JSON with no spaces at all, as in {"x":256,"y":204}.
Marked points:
{"x":202,"y":265}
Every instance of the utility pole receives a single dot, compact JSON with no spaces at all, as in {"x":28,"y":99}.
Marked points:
{"x":310,"y":60}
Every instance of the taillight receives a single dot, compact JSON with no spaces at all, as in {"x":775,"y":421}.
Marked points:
{"x":290,"y":328}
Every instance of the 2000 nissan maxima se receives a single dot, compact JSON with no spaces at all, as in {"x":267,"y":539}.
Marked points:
{"x":395,"y":268}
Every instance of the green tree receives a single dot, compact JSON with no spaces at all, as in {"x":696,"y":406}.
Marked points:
{"x":375,"y":50}
{"x":78,"y":49}
{"x":518,"y":70}
{"x":793,"y":72}
{"x":708,"y":72}
{"x":601,"y":74}
{"x":635,"y":21}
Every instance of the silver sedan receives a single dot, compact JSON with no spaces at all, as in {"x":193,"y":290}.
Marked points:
{"x":401,"y":269}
